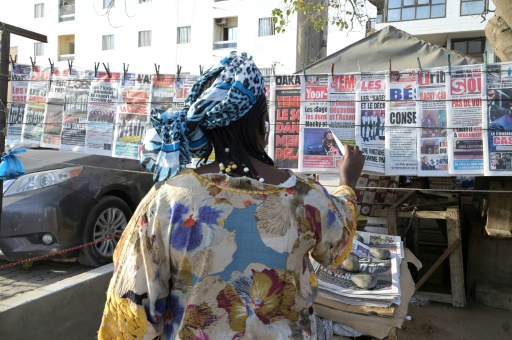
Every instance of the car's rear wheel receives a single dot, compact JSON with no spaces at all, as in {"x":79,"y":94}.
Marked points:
{"x":109,"y":217}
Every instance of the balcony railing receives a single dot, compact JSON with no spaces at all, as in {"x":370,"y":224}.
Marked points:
{"x":66,"y":13}
{"x":64,"y":57}
{"x":224,"y":44}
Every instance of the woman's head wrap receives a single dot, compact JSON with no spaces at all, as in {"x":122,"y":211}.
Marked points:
{"x":178,"y":136}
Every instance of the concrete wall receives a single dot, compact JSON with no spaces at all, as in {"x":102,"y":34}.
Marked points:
{"x":69,"y":309}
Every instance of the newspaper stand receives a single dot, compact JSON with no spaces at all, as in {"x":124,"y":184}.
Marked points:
{"x":453,"y":251}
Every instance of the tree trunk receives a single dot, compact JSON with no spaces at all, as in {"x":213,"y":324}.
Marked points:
{"x":498,"y":30}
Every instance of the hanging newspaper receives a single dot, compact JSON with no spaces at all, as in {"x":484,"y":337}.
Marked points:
{"x":163,"y":91}
{"x":370,"y":119}
{"x":285,"y":121}
{"x":465,"y":143}
{"x":20,"y":77}
{"x":401,"y":122}
{"x":433,"y":141}
{"x":75,"y":111}
{"x":132,"y":118}
{"x":33,"y":120}
{"x":55,"y":109}
{"x":498,"y":120}
{"x":318,"y":149}
{"x":101,"y":113}
{"x":341,"y":106}
{"x":182,"y":86}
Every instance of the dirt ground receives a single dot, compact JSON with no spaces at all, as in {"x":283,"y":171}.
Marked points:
{"x":442,"y":321}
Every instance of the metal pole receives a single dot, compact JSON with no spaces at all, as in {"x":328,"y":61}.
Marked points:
{"x":4,"y":83}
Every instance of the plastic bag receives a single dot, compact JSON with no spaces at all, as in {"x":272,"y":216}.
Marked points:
{"x":11,"y":167}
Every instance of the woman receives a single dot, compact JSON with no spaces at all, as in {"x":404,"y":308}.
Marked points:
{"x":222,"y":251}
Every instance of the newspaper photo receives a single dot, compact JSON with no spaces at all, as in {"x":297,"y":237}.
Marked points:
{"x":163,"y":91}
{"x":498,"y":120}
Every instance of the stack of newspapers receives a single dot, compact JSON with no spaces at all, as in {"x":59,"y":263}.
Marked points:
{"x":338,"y":283}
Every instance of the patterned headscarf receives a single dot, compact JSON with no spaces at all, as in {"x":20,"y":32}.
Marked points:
{"x":178,"y":136}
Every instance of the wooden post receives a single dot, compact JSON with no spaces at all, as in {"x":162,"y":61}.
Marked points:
{"x":456,"y":263}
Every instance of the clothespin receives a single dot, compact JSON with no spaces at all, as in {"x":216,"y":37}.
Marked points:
{"x":390,"y":66}
{"x":51,"y":65}
{"x":125,"y":70}
{"x":96,"y":67}
{"x":107,"y":69}
{"x":304,"y":70}
{"x":419,"y":65}
{"x":201,"y":70}
{"x":359,"y":66}
{"x":70,"y":66}
{"x":33,"y":62}
{"x":13,"y":61}
{"x":157,"y":71}
{"x":332,"y":69}
{"x":485,"y":61}
{"x":449,"y":64}
{"x":178,"y":71}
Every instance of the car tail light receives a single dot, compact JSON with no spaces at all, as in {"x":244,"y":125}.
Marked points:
{"x":43,"y":179}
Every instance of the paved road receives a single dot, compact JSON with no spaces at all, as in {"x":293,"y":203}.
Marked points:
{"x":17,"y":280}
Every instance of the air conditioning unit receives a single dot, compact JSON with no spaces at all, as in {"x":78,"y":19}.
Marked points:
{"x":221,"y":21}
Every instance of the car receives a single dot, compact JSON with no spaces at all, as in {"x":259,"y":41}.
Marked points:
{"x":67,"y":199}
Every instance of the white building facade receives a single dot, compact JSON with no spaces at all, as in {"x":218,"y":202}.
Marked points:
{"x":170,"y":33}
{"x":455,"y":24}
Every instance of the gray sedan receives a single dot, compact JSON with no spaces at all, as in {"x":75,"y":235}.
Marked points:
{"x":67,"y":199}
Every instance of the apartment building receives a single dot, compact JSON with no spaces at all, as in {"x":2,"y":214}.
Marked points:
{"x":170,"y":33}
{"x":455,"y":24}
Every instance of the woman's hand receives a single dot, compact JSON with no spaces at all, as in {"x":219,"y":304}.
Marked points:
{"x":350,"y":166}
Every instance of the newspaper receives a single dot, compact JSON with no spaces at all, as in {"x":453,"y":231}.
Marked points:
{"x":370,"y":119}
{"x":338,"y":281}
{"x":342,"y":106}
{"x":33,"y":120}
{"x":432,"y":141}
{"x":465,"y":142}
{"x":20,"y":76}
{"x":285,"y":121}
{"x":55,"y":109}
{"x":390,"y":242}
{"x":498,"y":120}
{"x":401,"y":122}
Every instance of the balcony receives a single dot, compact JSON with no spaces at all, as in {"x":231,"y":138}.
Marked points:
{"x":66,"y":12}
{"x":64,"y":57}
{"x":224,"y":44}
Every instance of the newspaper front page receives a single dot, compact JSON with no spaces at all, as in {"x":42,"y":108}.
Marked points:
{"x":20,"y":77}
{"x":34,"y":117}
{"x":55,"y":109}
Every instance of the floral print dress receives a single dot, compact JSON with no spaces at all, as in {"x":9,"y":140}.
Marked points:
{"x":218,"y":257}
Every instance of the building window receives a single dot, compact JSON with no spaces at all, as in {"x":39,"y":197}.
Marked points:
{"x":109,"y":3}
{"x":403,"y":10}
{"x":472,"y":7}
{"x":266,"y":27}
{"x":67,"y":10}
{"x":225,"y":33}
{"x":107,"y":42}
{"x":144,"y":38}
{"x":184,"y":35}
{"x":473,"y":47}
{"x":66,"y":47}
{"x":38,"y":49}
{"x":38,"y":10}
